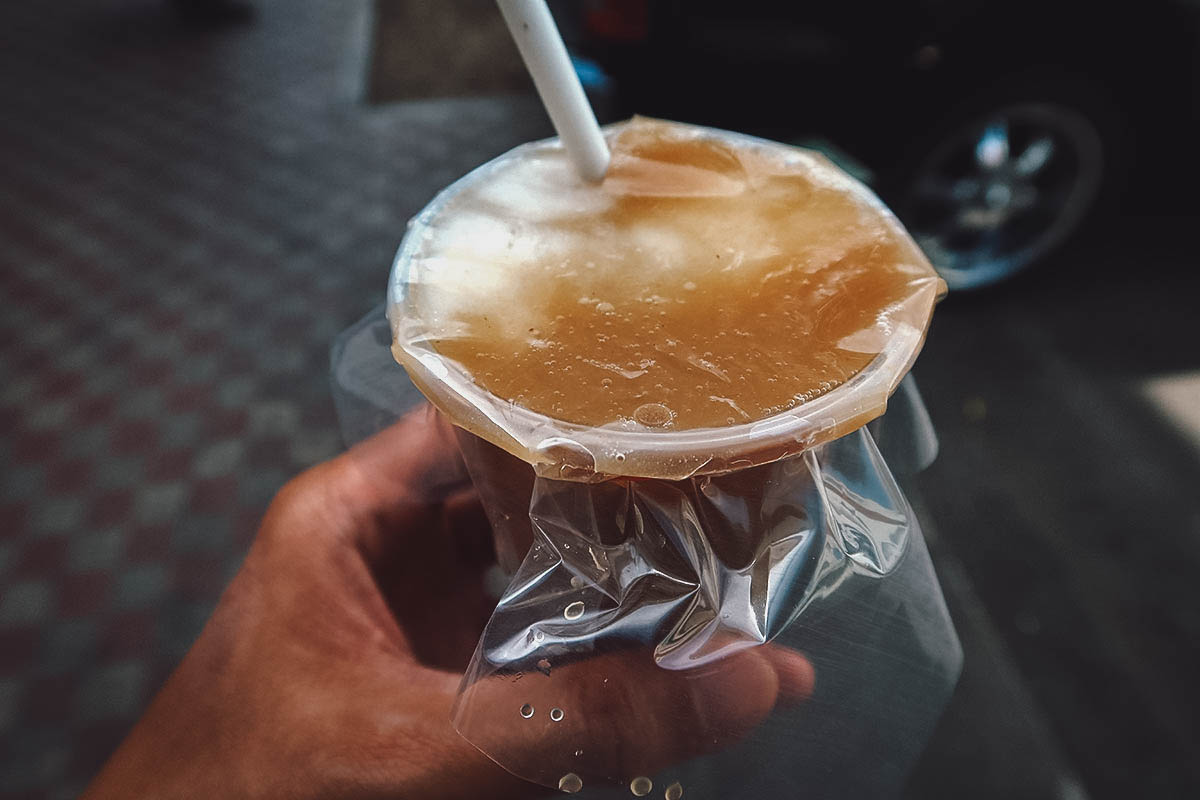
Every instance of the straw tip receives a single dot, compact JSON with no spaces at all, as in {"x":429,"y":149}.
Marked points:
{"x":595,"y":167}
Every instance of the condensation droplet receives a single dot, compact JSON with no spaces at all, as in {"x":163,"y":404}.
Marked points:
{"x":654,"y":415}
{"x":539,"y":636}
{"x":674,"y":791}
{"x":543,"y":666}
{"x":527,"y":711}
{"x":641,"y":786}
{"x":574,"y":610}
{"x":605,"y":382}
{"x":556,"y":714}
{"x":578,"y":753}
{"x":570,"y":783}
{"x":577,"y":582}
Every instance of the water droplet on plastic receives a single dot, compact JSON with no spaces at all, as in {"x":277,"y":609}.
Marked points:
{"x":539,"y":636}
{"x":641,"y":786}
{"x":574,"y":610}
{"x":578,"y":753}
{"x":577,"y":582}
{"x":674,"y":791}
{"x":527,"y":711}
{"x":620,"y":458}
{"x":543,"y":666}
{"x":556,"y":714}
{"x":654,"y":415}
{"x":570,"y":783}
{"x":605,"y":382}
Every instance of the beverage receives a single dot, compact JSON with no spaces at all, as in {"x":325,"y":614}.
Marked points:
{"x":708,"y":281}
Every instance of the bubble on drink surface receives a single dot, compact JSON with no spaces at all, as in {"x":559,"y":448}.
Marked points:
{"x":556,"y":714}
{"x":674,"y":791}
{"x":527,"y":711}
{"x":543,"y":666}
{"x":574,"y":610}
{"x":641,"y":786}
{"x":570,"y":783}
{"x":653,"y":415}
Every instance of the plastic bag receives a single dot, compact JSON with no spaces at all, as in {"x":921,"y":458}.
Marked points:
{"x":849,"y":589}
{"x":614,"y":646}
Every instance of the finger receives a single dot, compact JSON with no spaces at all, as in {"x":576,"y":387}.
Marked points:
{"x":797,"y":678}
{"x":389,"y":486}
{"x":623,"y":716}
{"x":433,"y":581}
{"x":414,"y":461}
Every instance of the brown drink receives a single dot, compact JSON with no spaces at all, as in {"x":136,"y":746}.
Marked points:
{"x":710,"y":281}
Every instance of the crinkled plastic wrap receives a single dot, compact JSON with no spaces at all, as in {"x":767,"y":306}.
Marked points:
{"x":747,"y":611}
{"x":756,"y":632}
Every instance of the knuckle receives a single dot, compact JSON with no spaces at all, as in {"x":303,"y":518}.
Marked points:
{"x":304,"y":505}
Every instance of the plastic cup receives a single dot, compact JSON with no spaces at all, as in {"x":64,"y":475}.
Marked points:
{"x":661,"y":578}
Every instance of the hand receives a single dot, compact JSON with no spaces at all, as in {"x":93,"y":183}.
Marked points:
{"x":331,"y":662}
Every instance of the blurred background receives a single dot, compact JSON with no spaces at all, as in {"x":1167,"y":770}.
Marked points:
{"x":199,"y":195}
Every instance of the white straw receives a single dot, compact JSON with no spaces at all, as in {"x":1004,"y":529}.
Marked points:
{"x":546,"y":59}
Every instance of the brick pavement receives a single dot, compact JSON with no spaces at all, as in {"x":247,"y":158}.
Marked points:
{"x":186,"y":221}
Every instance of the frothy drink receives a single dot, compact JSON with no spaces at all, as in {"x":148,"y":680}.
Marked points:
{"x":706,"y":282}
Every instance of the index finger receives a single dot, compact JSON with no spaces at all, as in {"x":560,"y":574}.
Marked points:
{"x":388,"y":487}
{"x":414,"y":460}
{"x":620,"y":715}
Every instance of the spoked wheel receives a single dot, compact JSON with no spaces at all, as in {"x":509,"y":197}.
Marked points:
{"x":999,"y":193}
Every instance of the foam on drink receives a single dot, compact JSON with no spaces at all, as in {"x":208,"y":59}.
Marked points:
{"x":705,"y":282}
